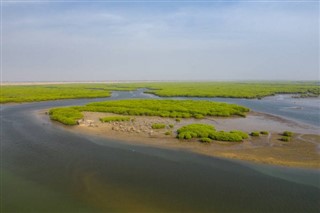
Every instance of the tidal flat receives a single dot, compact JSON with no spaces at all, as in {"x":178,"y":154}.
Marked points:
{"x":301,"y":151}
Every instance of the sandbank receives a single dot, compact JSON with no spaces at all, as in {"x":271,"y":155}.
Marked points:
{"x":302,"y":151}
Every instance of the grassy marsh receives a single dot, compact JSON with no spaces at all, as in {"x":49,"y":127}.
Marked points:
{"x":206,"y":132}
{"x":31,"y":93}
{"x":114,"y":118}
{"x":162,"y":108}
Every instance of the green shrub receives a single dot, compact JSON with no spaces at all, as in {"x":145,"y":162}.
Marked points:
{"x":226,"y":136}
{"x":178,"y":119}
{"x":168,"y":133}
{"x":158,"y":126}
{"x":285,"y":138}
{"x":255,"y":134}
{"x":205,"y":140}
{"x":66,"y":115}
{"x":185,"y":135}
{"x":114,"y":118}
{"x":264,"y":132}
{"x":287,"y":133}
{"x":242,"y":134}
{"x":198,"y":116}
{"x":171,"y":126}
{"x":196,"y":130}
{"x":208,"y":131}
{"x":185,"y":115}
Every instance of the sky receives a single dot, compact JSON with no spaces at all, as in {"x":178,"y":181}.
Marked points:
{"x":159,"y":40}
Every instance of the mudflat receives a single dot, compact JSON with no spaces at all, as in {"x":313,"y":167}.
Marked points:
{"x":303,"y":150}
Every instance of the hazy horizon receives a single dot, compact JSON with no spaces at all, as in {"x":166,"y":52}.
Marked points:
{"x":160,"y":41}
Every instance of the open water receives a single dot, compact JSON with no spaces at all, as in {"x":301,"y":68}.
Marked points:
{"x":47,"y":169}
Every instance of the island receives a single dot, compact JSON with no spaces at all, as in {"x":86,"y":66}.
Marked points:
{"x":206,"y":127}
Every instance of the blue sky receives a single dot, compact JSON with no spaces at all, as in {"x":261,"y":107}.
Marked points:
{"x":237,"y":40}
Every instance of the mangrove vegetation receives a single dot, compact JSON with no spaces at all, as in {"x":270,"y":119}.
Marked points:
{"x":207,"y":132}
{"x":109,"y":119}
{"x":158,"y":126}
{"x":31,"y":93}
{"x":142,"y":107}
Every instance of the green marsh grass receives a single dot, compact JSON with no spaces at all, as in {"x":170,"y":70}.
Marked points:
{"x":65,"y":115}
{"x":114,"y":118}
{"x":287,"y":133}
{"x":208,"y":131}
{"x":31,"y":93}
{"x":285,"y":138}
{"x":264,"y":132}
{"x":158,"y":126}
{"x":255,"y":134}
{"x":163,"y":108}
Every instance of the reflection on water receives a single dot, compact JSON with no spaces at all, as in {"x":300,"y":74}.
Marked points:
{"x":46,"y":169}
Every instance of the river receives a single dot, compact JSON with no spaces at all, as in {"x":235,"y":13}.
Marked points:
{"x":47,"y":169}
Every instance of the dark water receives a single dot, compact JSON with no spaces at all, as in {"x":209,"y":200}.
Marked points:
{"x":47,"y":169}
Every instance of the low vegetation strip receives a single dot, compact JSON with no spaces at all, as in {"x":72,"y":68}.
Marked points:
{"x":232,"y":89}
{"x":158,"y":126}
{"x":167,"y":108}
{"x":66,"y":115}
{"x":286,"y":136}
{"x":31,"y":93}
{"x":114,"y":118}
{"x":162,"y":108}
{"x":206,"y":133}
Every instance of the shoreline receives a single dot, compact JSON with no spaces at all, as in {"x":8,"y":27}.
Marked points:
{"x":302,"y":152}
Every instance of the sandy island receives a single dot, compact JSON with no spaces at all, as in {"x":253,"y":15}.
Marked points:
{"x":302,"y":151}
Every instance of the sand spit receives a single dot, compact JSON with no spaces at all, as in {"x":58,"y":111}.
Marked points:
{"x":302,"y":151}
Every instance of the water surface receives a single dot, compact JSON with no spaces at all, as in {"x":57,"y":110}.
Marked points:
{"x":48,"y":169}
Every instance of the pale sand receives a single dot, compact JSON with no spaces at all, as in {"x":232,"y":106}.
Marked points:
{"x":302,"y":151}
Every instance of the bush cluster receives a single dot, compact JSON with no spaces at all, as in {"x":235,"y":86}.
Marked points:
{"x":195,"y":131}
{"x":226,"y":136}
{"x":264,"y":132}
{"x":67,"y":115}
{"x":244,"y":135}
{"x":286,"y":136}
{"x":208,"y":131}
{"x":287,"y":133}
{"x":255,"y":134}
{"x":158,"y":126}
{"x":168,"y":133}
{"x":205,"y":140}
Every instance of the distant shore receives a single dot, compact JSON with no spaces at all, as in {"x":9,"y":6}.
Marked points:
{"x":76,"y":82}
{"x":302,"y":151}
